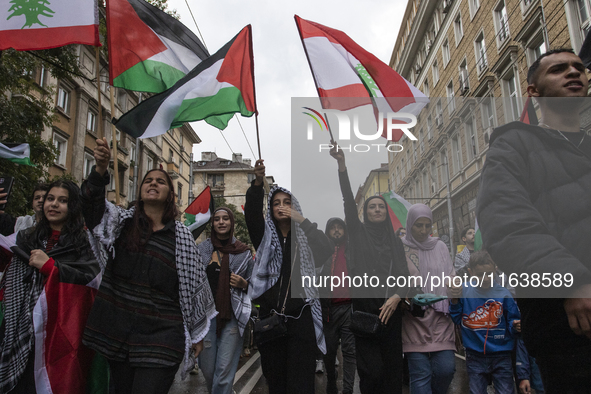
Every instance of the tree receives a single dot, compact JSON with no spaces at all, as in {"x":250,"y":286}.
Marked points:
{"x":25,"y":109}
{"x":31,"y":9}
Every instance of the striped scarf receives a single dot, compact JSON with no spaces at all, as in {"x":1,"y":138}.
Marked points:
{"x":269,"y":257}
{"x":240,"y":264}
{"x":195,"y":297}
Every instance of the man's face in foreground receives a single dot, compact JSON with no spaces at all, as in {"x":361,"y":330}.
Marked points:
{"x":560,"y":75}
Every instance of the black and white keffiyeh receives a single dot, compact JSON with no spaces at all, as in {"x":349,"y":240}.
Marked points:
{"x":269,"y":257}
{"x":240,"y":264}
{"x":195,"y":296}
{"x":19,"y":300}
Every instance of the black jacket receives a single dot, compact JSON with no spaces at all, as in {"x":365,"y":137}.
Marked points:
{"x":534,"y":212}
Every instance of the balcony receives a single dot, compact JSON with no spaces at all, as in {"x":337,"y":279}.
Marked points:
{"x":173,"y":169}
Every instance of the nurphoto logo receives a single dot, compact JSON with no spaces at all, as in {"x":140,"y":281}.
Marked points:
{"x":392,"y":121}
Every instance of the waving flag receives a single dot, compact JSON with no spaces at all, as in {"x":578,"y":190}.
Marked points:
{"x":16,"y":153}
{"x":347,"y":76}
{"x":33,"y":25}
{"x":149,"y":50}
{"x":218,"y":87}
{"x":198,"y":214}
{"x":398,"y":208}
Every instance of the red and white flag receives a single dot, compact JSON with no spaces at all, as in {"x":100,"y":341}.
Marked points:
{"x":347,"y":76}
{"x":34,"y":25}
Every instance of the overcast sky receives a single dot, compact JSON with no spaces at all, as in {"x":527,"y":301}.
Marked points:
{"x":281,"y":68}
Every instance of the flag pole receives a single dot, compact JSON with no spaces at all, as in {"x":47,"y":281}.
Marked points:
{"x":256,"y":120}
{"x":98,"y":89}
{"x":114,"y":139}
{"x":313,"y":76}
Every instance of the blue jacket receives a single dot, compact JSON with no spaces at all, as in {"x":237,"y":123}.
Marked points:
{"x":486,"y":318}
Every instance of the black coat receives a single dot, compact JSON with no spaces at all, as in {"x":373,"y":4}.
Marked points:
{"x":534,"y":212}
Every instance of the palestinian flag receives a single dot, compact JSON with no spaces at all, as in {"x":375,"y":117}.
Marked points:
{"x":149,"y":50}
{"x":397,"y":208}
{"x":477,"y":236}
{"x":218,"y":87}
{"x":62,"y":363}
{"x":347,"y":76}
{"x":41,"y":24}
{"x":16,"y":153}
{"x":198,"y":214}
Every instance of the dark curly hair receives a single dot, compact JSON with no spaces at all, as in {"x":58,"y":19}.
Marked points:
{"x":139,"y":229}
{"x":72,"y":232}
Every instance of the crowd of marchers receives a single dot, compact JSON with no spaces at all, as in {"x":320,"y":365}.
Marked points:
{"x":99,"y":298}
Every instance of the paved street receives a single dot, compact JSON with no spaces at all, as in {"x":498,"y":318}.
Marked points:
{"x":250,"y":380}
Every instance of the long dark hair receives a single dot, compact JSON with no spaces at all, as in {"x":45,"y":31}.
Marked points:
{"x":72,"y":232}
{"x":140,"y":228}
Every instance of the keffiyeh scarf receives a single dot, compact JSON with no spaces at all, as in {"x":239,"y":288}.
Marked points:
{"x":195,"y":297}
{"x":269,"y":257}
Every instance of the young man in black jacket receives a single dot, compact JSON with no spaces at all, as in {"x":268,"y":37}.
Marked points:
{"x":534,"y":213}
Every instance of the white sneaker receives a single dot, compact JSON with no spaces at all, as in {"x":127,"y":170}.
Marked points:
{"x":319,"y":366}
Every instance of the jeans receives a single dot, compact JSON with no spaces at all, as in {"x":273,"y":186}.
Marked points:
{"x":498,"y":366}
{"x":220,"y":356}
{"x":431,"y":373}
{"x":337,"y":328}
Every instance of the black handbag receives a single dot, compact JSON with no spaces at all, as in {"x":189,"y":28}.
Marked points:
{"x":269,"y":328}
{"x":364,"y":324}
{"x":273,"y":326}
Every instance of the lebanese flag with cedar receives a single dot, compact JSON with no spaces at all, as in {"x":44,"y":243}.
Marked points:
{"x":31,"y":26}
{"x":347,"y":76}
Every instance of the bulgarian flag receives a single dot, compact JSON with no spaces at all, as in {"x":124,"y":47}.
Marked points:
{"x":149,"y":50}
{"x":477,"y":236}
{"x":198,"y":214}
{"x":398,"y":209}
{"x":347,"y":76}
{"x":218,"y":87}
{"x":30,"y":25}
{"x":16,"y":153}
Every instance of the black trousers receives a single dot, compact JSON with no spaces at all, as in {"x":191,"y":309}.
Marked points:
{"x":130,"y":380}
{"x":336,"y":331}
{"x":379,"y":359}
{"x":289,"y":362}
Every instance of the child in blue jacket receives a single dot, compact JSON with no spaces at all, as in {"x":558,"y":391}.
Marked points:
{"x":486,"y":313}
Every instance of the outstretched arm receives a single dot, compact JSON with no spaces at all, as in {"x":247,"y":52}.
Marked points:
{"x":353,"y":222}
{"x":253,"y":207}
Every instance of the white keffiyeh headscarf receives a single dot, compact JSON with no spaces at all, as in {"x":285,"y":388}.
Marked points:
{"x":269,"y":257}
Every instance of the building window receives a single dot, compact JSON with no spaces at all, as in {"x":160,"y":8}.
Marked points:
{"x":421,"y":141}
{"x":415,"y":152}
{"x":535,"y":48}
{"x":179,"y":193}
{"x":458,"y":29}
{"x":181,"y":166}
{"x":456,"y":151}
{"x":426,"y":88}
{"x":170,"y":156}
{"x":435,"y":73}
{"x":180,"y":138}
{"x":444,"y":163}
{"x":62,"y":147}
{"x":429,"y":127}
{"x":425,"y":182}
{"x":91,"y":122}
{"x":250,"y":178}
{"x":445,"y":52}
{"x":130,"y":191}
{"x":480,"y":49}
{"x":474,"y":6}
{"x":501,"y":23}
{"x":150,"y":163}
{"x":584,"y":13}
{"x":88,"y":163}
{"x":472,"y":142}
{"x":132,"y":151}
{"x":464,"y":80}
{"x":511,"y":92}
{"x":408,"y":159}
{"x":214,"y":180}
{"x":122,"y":100}
{"x":434,"y":183}
{"x":402,"y":170}
{"x":43,"y":77}
{"x":488,"y":115}
{"x":63,"y":99}
{"x":451,"y":102}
